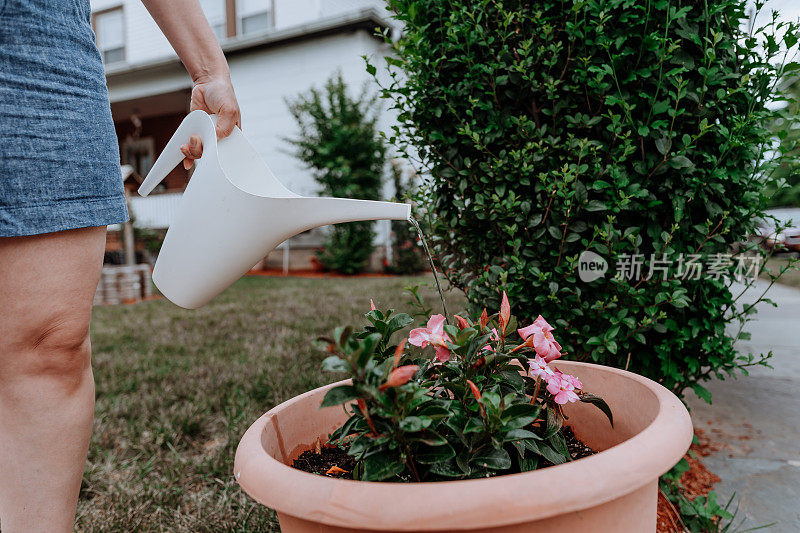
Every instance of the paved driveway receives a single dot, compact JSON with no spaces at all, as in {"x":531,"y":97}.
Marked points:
{"x":755,"y":420}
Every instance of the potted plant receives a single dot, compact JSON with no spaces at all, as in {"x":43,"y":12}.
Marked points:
{"x":473,"y":427}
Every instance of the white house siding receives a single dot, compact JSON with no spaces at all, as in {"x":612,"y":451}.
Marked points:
{"x":265,"y":79}
{"x":265,"y":75}
{"x":145,"y":42}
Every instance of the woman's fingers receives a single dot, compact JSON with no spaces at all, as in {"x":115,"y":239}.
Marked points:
{"x":225,"y":122}
{"x":191,"y":151}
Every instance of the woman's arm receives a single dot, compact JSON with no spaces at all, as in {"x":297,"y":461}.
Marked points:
{"x":187,"y":30}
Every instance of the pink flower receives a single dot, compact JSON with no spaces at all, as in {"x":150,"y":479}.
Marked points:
{"x":371,"y":305}
{"x":563,"y":390}
{"x":539,"y":368}
{"x":572,"y":380}
{"x":492,"y":336}
{"x":539,"y":336}
{"x":539,"y":323}
{"x":432,"y":334}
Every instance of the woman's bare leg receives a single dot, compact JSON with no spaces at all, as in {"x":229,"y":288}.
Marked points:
{"x":47,"y":283}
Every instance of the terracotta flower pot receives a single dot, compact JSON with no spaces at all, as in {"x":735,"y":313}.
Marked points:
{"x":615,"y":490}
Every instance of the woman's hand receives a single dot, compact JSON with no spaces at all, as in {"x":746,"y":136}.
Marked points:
{"x":187,"y":30}
{"x":214,"y":95}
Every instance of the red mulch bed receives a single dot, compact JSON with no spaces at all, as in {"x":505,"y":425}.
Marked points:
{"x":697,"y":481}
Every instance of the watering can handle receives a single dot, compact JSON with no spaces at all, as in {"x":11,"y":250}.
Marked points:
{"x":196,"y":123}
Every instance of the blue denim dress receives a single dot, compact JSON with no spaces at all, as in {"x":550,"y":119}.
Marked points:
{"x":59,"y":157}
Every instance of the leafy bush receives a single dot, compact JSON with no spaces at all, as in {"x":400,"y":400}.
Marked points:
{"x":466,"y":410}
{"x":339,"y":142}
{"x":551,"y":127}
{"x":407,"y":253}
{"x":788,"y":194}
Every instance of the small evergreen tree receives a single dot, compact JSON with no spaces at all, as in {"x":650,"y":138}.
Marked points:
{"x":407,"y":253}
{"x":339,"y":142}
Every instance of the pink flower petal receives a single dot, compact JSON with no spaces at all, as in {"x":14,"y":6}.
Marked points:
{"x":419,"y":337}
{"x":528,"y":331}
{"x":571,"y":396}
{"x":542,"y":323}
{"x":552,"y":356}
{"x":442,"y":353}
{"x":436,"y":324}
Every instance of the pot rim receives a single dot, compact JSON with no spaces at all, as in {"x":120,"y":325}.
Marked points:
{"x":387,"y":506}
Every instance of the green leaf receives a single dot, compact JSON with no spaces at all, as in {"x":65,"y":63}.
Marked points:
{"x":398,"y":322}
{"x":495,"y":459}
{"x":336,"y":364}
{"x":414,"y":423}
{"x":339,"y":395}
{"x":527,"y":464}
{"x":474,"y":425}
{"x":429,"y":437}
{"x":599,"y":403}
{"x":434,"y":412}
{"x":433,"y":454}
{"x":681,"y":161}
{"x":447,"y":468}
{"x":551,"y":455}
{"x":520,"y":415}
{"x":554,"y":422}
{"x":531,"y":445}
{"x":382,"y":465}
{"x":520,"y":434}
{"x":559,"y":445}
{"x":596,"y":205}
{"x":343,"y":334}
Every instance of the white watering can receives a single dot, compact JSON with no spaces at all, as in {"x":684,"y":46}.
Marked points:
{"x":234,"y":212}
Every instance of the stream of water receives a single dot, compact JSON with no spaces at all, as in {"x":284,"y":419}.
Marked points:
{"x":430,"y":262}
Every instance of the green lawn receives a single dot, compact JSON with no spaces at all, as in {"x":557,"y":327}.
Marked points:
{"x":176,"y":389}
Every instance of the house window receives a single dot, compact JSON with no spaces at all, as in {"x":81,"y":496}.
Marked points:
{"x":254,"y":16}
{"x":215,"y":13}
{"x":109,"y":27}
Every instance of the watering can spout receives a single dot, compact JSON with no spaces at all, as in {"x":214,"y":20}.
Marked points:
{"x":234,"y":212}
{"x":322,"y":211}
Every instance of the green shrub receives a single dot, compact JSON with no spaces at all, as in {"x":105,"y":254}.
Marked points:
{"x":407,"y":254}
{"x":339,"y":142}
{"x":788,"y":194}
{"x":551,"y":127}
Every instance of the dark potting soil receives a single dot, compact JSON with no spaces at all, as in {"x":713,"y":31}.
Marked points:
{"x":576,"y":448}
{"x":332,"y":461}
{"x":329,"y":461}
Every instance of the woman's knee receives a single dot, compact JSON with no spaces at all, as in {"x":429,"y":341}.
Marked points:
{"x":56,"y":346}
